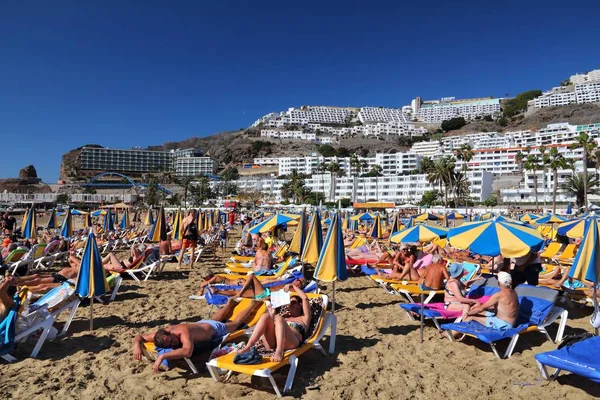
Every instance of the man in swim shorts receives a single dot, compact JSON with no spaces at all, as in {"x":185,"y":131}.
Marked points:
{"x":501,"y":310}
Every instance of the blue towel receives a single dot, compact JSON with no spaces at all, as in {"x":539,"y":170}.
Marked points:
{"x":7,"y":328}
{"x":581,"y":358}
{"x":368,"y":270}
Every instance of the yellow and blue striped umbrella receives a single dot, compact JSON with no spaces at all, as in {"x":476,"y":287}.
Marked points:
{"x":200,"y":219}
{"x":53,"y":221}
{"x":314,"y":241}
{"x":426,"y":217}
{"x":98,"y":213}
{"x":66,"y":228}
{"x":419,"y":233}
{"x":550,"y":219}
{"x":159,"y":229}
{"x":528,"y":217}
{"x":125,"y":223}
{"x":176,"y":233}
{"x":492,"y":238}
{"x":488,"y":215}
{"x":149,"y":220}
{"x":362,"y":217}
{"x":376,"y":229}
{"x":331,"y":265}
{"x":575,"y":227}
{"x":29,"y":227}
{"x":109,"y":223}
{"x":91,"y":281}
{"x":455,"y":215}
{"x":297,"y":243}
{"x":271,"y":223}
{"x":501,"y":218}
{"x":395,"y":225}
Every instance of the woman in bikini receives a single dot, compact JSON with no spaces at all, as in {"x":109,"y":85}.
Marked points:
{"x":283,"y":332}
{"x":455,"y":292}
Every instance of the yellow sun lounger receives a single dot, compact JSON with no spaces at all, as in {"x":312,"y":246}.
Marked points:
{"x":266,"y":367}
{"x":240,"y":269}
{"x":551,"y":251}
{"x":567,"y":256}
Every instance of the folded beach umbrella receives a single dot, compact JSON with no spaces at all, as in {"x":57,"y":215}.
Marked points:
{"x":149,"y":220}
{"x":586,"y":265}
{"x":53,"y":221}
{"x":363,"y":217}
{"x":419,"y":233}
{"x":331,"y":265}
{"x":426,"y":217}
{"x":136,"y":217}
{"x":550,"y":219}
{"x":270,"y":223}
{"x":395,"y":225}
{"x":575,"y":228}
{"x":91,"y":281}
{"x":410,"y":223}
{"x":87,"y":220}
{"x":314,"y":241}
{"x":200,"y":219}
{"x":159,"y":229}
{"x":492,"y":238}
{"x":66,"y":228}
{"x":528,"y":217}
{"x":125,"y":223}
{"x":297,"y":244}
{"x":377,"y":229}
{"x":29,"y":227}
{"x":109,"y":223}
{"x":115,"y":214}
{"x":177,"y":232}
{"x":569,"y":209}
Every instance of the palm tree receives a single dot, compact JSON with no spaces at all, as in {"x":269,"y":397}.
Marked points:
{"x":461,"y":186}
{"x":184,"y":182}
{"x":531,"y":164}
{"x":542,"y":161}
{"x":587,"y":144}
{"x":335,"y":169}
{"x":319,"y":169}
{"x":579,"y":186}
{"x":439,"y":174}
{"x":555,"y":161}
{"x":425,"y":165}
{"x":376,"y":171}
{"x":465,"y":154}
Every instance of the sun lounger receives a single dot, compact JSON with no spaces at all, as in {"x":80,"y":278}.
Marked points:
{"x":581,"y":358}
{"x":320,"y":322}
{"x":57,"y":301}
{"x":551,"y":250}
{"x":567,"y":256}
{"x":537,"y":311}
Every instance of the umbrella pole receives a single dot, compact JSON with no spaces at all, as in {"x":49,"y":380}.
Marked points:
{"x":422,"y":318}
{"x":596,"y":305}
{"x":333,"y":299}
{"x":92,"y":313}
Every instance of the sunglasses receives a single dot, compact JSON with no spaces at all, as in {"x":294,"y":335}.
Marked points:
{"x":294,"y":302}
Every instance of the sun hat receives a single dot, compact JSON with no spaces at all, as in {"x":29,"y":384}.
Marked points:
{"x":455,"y":270}
{"x":504,"y":279}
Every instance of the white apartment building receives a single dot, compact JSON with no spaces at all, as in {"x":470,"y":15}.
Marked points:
{"x":195,"y":166}
{"x":588,"y":92}
{"x":326,"y":115}
{"x":267,"y":161}
{"x":591,"y":76}
{"x":427,"y":149}
{"x":373,"y":115}
{"x":392,"y":128}
{"x":437,"y":111}
{"x":298,"y":135}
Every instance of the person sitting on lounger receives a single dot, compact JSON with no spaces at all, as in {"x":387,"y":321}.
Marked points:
{"x":434,"y":275}
{"x":6,"y":301}
{"x":41,"y":283}
{"x":183,"y":337}
{"x":262,"y":260}
{"x":405,"y":265}
{"x":279,"y":332}
{"x":501,"y":310}
{"x":455,"y":292}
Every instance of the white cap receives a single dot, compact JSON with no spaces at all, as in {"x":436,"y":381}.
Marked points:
{"x":504,"y":279}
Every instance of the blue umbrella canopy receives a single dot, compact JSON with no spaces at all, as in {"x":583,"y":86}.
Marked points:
{"x":271,"y":223}
{"x":331,"y":265}
{"x":29,"y":227}
{"x":66,"y":228}
{"x":53,"y":221}
{"x":418,"y":233}
{"x":125,"y":223}
{"x":569,"y":210}
{"x":159,"y":229}
{"x":376,"y":229}
{"x":77,"y":212}
{"x":109,"y":224}
{"x":575,"y":228}
{"x":92,"y":276}
{"x":550,"y":219}
{"x":586,"y":265}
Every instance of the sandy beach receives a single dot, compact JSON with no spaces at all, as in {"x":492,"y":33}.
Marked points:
{"x":378,"y":354}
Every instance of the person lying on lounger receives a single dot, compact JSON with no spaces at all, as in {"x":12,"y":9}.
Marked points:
{"x":112,"y":263}
{"x":501,"y":310}
{"x":279,"y":332}
{"x":41,"y":283}
{"x":183,"y":337}
{"x":255,"y":289}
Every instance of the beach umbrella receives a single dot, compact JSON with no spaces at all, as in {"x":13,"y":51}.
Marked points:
{"x":77,"y":212}
{"x":586,"y":265}
{"x":149,"y":220}
{"x":199,"y":219}
{"x":270,"y":223}
{"x":455,"y":215}
{"x":66,"y":228}
{"x":159,"y":229}
{"x":502,"y":218}
{"x":569,"y":210}
{"x":363,"y":217}
{"x":297,"y":244}
{"x":426,"y":217}
{"x":314,"y":241}
{"x":550,"y":219}
{"x":419,"y":233}
{"x":331,"y":265}
{"x":53,"y":221}
{"x":108,"y":224}
{"x":91,"y":281}
{"x":410,"y":223}
{"x":125,"y":224}
{"x":176,"y":233}
{"x":29,"y":227}
{"x":575,"y":228}
{"x":87,"y":220}
{"x":395,"y":225}
{"x":476,"y":218}
{"x":376,"y":230}
{"x":528,"y":217}
{"x":488,"y":215}
{"x":98,"y":213}
{"x":492,"y":238}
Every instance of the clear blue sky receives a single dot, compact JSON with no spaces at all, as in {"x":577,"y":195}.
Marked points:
{"x":134,"y":73}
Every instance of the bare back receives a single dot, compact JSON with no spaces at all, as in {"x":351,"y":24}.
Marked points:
{"x":435,"y":275}
{"x":507,"y":308}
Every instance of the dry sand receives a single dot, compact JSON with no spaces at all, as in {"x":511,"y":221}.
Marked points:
{"x":378,"y":354}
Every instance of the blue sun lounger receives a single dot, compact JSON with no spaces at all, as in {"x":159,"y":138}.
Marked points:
{"x":581,"y":358}
{"x":536,"y":312}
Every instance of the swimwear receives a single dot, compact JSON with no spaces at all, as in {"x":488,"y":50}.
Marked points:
{"x":423,"y":286}
{"x":494,"y":322}
{"x":298,"y":327}
{"x":263,"y":295}
{"x":58,"y":278}
{"x":219,"y":327}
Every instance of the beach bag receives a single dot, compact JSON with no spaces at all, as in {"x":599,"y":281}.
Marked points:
{"x":572,"y":339}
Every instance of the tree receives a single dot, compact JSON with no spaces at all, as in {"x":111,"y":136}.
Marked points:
{"x":326,"y":150}
{"x":588,"y":145}
{"x":335,"y":169}
{"x":174,"y":200}
{"x":518,"y":104}
{"x":430,"y":198}
{"x":531,"y":163}
{"x":462,"y":187}
{"x":426,"y":165}
{"x":555,"y":161}
{"x":184,"y":182}
{"x":358,"y":165}
{"x":230,"y":174}
{"x":542,"y":161}
{"x":502,"y":121}
{"x":343,"y":152}
{"x":152,"y":196}
{"x":465,"y":154}
{"x":225,"y":188}
{"x":201,"y":191}
{"x":491,"y":202}
{"x":579,"y":186}
{"x":63,"y":198}
{"x":294,"y":188}
{"x":453,"y":124}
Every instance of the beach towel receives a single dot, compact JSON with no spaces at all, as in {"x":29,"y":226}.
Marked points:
{"x":8,"y":328}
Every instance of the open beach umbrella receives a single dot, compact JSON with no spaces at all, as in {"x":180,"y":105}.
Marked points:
{"x":376,"y":229}
{"x":455,"y":215}
{"x":575,"y":228}
{"x":53,"y":221}
{"x":419,"y":233}
{"x":314,"y":241}
{"x":492,"y":238}
{"x":149,"y":220}
{"x":331,"y":265}
{"x":87,"y":220}
{"x":176,"y":233}
{"x":550,"y":219}
{"x":66,"y":228}
{"x":528,"y":217}
{"x":91,"y":281}
{"x":363,"y":217}
{"x":98,"y":213}
{"x":586,"y":265}
{"x":109,"y":223}
{"x":125,"y":223}
{"x":426,"y":217}
{"x":29,"y":227}
{"x":297,"y":244}
{"x":159,"y":229}
{"x":502,"y":218}
{"x":77,"y":212}
{"x":271,"y":223}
